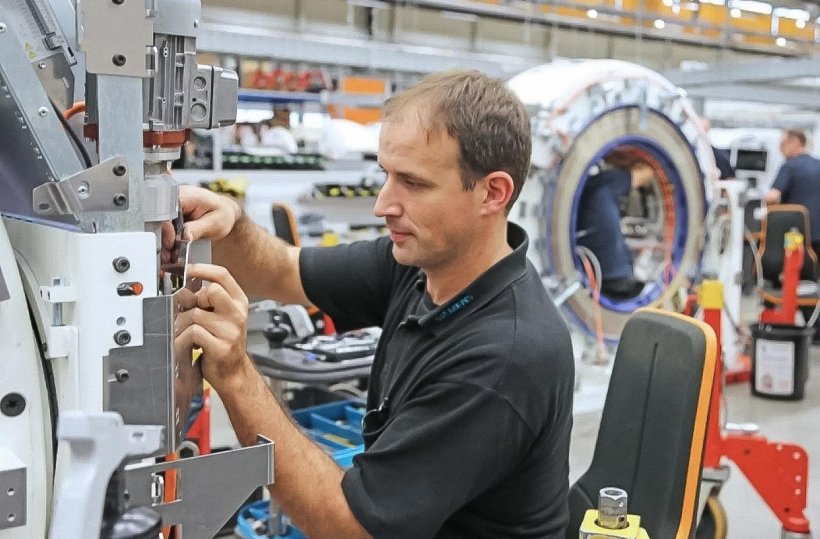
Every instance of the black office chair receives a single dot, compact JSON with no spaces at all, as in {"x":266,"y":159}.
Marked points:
{"x":781,"y":218}
{"x":653,"y":429}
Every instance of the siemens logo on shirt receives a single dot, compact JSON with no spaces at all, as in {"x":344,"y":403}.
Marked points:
{"x":453,"y":308}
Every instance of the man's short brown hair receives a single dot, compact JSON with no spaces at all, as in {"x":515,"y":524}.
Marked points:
{"x":489,"y":123}
{"x":798,"y":135}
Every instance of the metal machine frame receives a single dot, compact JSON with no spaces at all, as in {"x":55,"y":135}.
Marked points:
{"x":86,"y":324}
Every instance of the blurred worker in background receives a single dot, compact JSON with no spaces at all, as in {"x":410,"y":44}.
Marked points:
{"x":725,"y":171}
{"x":276,"y":134}
{"x":798,"y":181}
{"x":599,"y":222}
{"x":470,"y":396}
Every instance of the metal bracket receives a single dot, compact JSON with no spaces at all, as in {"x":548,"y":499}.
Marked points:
{"x":12,"y":491}
{"x":199,"y":507}
{"x":162,"y":366}
{"x":115,"y":36}
{"x":103,"y":187}
{"x":58,"y":294}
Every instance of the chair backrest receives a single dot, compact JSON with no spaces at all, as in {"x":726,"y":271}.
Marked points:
{"x":781,"y":218}
{"x":284,"y":224}
{"x":653,"y":428}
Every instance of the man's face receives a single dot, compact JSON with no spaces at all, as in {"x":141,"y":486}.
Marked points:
{"x":784,"y":143}
{"x":432,"y":219}
{"x":789,"y":146}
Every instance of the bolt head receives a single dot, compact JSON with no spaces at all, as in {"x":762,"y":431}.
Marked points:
{"x":121,"y":264}
{"x":122,"y":337}
{"x":2,"y":27}
{"x":119,"y":60}
{"x":122,"y":375}
{"x":41,"y":65}
{"x":42,"y":111}
{"x":120,"y":199}
{"x":12,"y":404}
{"x":612,"y":508}
{"x":119,"y":170}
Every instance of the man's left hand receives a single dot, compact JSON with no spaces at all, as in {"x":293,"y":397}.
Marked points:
{"x":218,"y":324}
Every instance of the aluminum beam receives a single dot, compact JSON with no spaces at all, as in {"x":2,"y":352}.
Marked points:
{"x":529,"y":12}
{"x":757,"y":93}
{"x":247,"y":41}
{"x":770,"y":70}
{"x":763,"y":123}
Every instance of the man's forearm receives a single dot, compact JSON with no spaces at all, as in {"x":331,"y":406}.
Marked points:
{"x":258,"y":260}
{"x":308,"y":484}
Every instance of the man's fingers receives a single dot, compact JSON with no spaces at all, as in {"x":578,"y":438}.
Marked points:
{"x":207,"y":214}
{"x":196,"y":335}
{"x":214,"y":323}
{"x":215,"y":298}
{"x":195,"y":201}
{"x":193,"y":230}
{"x":219,"y":275}
{"x":168,"y":235}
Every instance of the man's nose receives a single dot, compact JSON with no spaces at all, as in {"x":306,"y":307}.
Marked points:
{"x":387,"y":204}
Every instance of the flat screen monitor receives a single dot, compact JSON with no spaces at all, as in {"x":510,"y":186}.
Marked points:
{"x":751,"y":160}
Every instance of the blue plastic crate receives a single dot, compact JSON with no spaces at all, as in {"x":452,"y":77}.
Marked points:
{"x":336,"y":426}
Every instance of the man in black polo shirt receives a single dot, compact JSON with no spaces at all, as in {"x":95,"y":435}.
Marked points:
{"x":470,"y":399}
{"x":798,"y":181}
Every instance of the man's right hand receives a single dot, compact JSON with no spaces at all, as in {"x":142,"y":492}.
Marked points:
{"x":262,"y":264}
{"x":208,"y":216}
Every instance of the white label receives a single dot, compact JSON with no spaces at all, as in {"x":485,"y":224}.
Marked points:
{"x":774,"y":367}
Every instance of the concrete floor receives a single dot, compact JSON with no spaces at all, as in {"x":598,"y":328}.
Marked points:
{"x":794,"y":422}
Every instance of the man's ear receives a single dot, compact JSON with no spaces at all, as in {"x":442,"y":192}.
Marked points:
{"x":498,"y":191}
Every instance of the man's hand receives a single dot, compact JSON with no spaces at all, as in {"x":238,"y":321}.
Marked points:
{"x":208,"y":216}
{"x":772,"y":196}
{"x":218,"y":324}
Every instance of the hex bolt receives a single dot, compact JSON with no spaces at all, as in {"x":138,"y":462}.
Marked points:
{"x":119,"y":170}
{"x":612,"y":506}
{"x":120,"y":199}
{"x":119,"y":60}
{"x":122,"y":376}
{"x":121,"y":264}
{"x":42,"y":111}
{"x":122,"y":337}
{"x":12,"y":404}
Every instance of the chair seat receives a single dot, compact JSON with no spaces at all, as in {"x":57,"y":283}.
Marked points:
{"x":808,"y":293}
{"x":653,"y":426}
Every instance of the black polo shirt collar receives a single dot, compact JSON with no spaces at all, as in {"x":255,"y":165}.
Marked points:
{"x":488,"y":285}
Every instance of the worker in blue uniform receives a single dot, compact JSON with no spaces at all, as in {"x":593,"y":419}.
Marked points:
{"x":798,"y":181}
{"x":598,"y":227}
